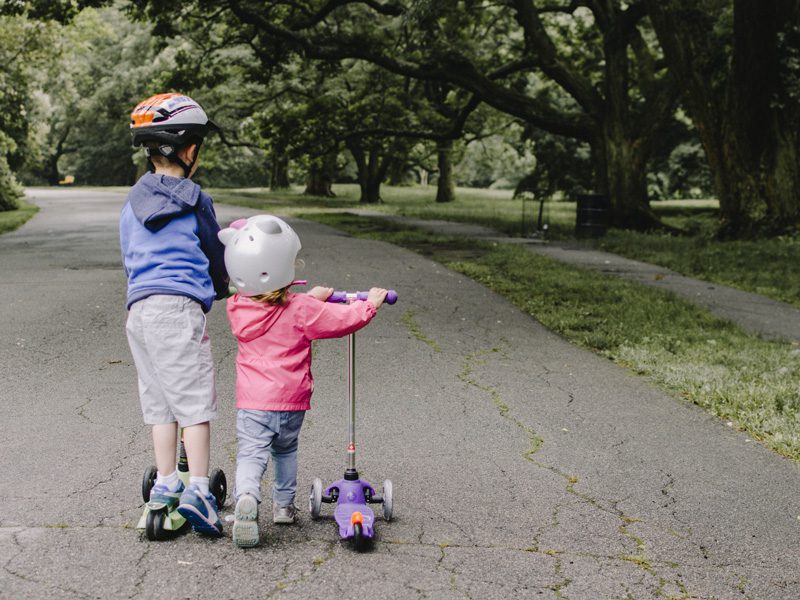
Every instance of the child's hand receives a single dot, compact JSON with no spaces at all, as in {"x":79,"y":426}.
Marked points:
{"x":320,"y":293}
{"x":376,"y":296}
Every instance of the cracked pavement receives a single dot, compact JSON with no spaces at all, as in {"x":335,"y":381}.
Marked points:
{"x":523,"y":467}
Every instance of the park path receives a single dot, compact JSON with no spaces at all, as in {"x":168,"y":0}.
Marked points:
{"x":523,"y":467}
{"x":752,"y":312}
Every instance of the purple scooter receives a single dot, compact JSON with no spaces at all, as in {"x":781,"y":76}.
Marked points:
{"x":351,"y":494}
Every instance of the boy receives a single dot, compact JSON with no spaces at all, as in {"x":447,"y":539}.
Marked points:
{"x":175,"y":268}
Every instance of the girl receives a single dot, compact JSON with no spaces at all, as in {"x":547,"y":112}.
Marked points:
{"x":274,"y":329}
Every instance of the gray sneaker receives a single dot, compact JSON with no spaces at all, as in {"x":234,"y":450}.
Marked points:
{"x":245,"y":524}
{"x":285,"y":515}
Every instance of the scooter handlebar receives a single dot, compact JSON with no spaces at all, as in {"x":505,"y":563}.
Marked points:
{"x":345,"y":297}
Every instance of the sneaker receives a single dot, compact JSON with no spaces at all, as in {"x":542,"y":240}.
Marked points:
{"x":161,"y":494}
{"x":245,"y":524}
{"x":284,"y":514}
{"x":200,"y":511}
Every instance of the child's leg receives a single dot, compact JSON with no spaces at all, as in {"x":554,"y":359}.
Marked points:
{"x":255,"y":431}
{"x":165,"y":441}
{"x":284,"y":453}
{"x":197,"y":439}
{"x":181,"y":348}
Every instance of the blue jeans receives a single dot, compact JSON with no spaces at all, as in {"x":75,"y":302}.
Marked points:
{"x":262,"y":433}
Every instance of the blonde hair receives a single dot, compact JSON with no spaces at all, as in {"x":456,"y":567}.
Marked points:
{"x":278,"y":297}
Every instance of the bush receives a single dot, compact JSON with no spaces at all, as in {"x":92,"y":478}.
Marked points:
{"x":10,"y":189}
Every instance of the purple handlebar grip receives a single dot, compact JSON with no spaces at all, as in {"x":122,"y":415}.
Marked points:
{"x":341,"y":297}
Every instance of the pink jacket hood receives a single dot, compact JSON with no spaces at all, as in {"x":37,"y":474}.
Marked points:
{"x":273,"y":366}
{"x":250,"y":320}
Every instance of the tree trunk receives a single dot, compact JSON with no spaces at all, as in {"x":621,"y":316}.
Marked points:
{"x":624,"y":179}
{"x":51,"y":170}
{"x":445,"y":188}
{"x":320,"y":176}
{"x":51,"y":165}
{"x":423,"y":177}
{"x":397,"y":171}
{"x":371,"y":171}
{"x":618,"y":156}
{"x":279,"y":172}
{"x":370,"y":180}
{"x":749,"y":122}
{"x":318,"y":184}
{"x":370,"y":191}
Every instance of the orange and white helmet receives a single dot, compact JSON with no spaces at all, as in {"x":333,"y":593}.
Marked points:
{"x":171,"y":118}
{"x":170,"y":122}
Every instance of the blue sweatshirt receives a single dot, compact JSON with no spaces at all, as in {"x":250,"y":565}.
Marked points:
{"x":168,"y":234}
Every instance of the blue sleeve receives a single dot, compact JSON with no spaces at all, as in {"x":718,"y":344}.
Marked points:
{"x":207,"y":229}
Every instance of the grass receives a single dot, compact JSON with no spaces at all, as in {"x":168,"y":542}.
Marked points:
{"x":768,"y":267}
{"x":682,"y":348}
{"x":763,"y":267}
{"x":492,"y":208}
{"x":13,"y":219}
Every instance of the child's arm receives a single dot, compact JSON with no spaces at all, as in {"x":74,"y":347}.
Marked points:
{"x":207,"y":228}
{"x":325,"y":320}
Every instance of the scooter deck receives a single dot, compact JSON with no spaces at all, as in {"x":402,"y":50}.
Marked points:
{"x":352,"y":508}
{"x":173,"y":520}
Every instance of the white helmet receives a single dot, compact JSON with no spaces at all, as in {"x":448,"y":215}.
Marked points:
{"x":260,"y":254}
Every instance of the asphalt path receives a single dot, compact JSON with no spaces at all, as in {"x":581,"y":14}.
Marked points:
{"x":523,"y":467}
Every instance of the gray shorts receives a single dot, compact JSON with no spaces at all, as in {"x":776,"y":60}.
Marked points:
{"x":172,"y":352}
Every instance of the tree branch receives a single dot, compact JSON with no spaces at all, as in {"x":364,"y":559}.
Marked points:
{"x":451,"y":67}
{"x":391,"y":10}
{"x":557,"y":8}
{"x":538,"y":42}
{"x":237,"y":144}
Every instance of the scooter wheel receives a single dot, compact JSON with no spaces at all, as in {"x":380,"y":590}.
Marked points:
{"x":360,"y":541}
{"x":315,"y":498}
{"x":154,"y":528}
{"x":148,"y":481}
{"x":388,"y":500}
{"x":218,"y":484}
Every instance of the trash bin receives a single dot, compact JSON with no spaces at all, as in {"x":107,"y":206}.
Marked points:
{"x":591,"y":218}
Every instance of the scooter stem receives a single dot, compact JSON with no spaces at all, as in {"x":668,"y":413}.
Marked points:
{"x":351,"y":392}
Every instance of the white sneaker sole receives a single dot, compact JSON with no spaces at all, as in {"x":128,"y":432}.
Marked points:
{"x":245,"y":525}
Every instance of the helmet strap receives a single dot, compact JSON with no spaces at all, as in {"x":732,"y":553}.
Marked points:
{"x":172,"y":156}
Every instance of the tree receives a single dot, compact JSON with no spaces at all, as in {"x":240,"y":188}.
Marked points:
{"x":24,"y":46}
{"x":605,"y":71}
{"x":99,"y":65}
{"x":744,"y":102}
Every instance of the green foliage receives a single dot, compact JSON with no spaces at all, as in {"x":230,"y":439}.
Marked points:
{"x":678,"y":168}
{"x":56,"y":10}
{"x":498,"y":161}
{"x":105,"y":65}
{"x":24,"y":47}
{"x":562,"y":165}
{"x":10,"y":190}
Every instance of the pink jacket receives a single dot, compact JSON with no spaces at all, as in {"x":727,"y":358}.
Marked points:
{"x":273,"y":367}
